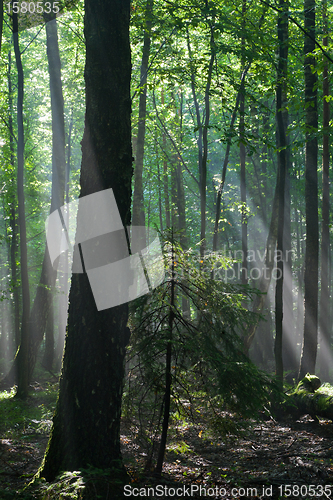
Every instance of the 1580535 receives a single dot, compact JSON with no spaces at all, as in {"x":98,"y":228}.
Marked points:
{"x":32,"y":7}
{"x":304,"y":490}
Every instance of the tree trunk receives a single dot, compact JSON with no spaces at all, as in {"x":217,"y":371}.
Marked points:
{"x":1,"y":22}
{"x":138,"y":202}
{"x":203,"y":176}
{"x":44,"y":295}
{"x":48,"y":357}
{"x":168,"y":375}
{"x":13,"y":218}
{"x":165,"y":177}
{"x":242,"y":155}
{"x":200,"y":128}
{"x":23,"y":366}
{"x":226,"y":161}
{"x":282,"y":166}
{"x":325,"y":341}
{"x":289,"y":346}
{"x":63,"y":273}
{"x":310,"y":334}
{"x":86,"y":424}
{"x":265,"y":280}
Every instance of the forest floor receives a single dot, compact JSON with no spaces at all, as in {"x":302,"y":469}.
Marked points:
{"x":269,"y":460}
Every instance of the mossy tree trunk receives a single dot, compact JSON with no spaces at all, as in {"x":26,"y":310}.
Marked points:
{"x":310,"y":334}
{"x":86,"y":424}
{"x":325,"y":237}
{"x":282,"y":74}
{"x":242,"y":153}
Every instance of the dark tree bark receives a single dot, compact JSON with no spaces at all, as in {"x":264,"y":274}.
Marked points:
{"x":282,"y":166}
{"x":138,"y":201}
{"x":63,"y":273}
{"x":23,"y":378}
{"x":86,"y":424}
{"x":242,"y":155}
{"x":203,"y":174}
{"x":310,"y":334}
{"x":325,"y":344}
{"x":289,"y":346}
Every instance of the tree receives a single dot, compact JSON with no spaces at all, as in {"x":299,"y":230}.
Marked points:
{"x":138,"y":208}
{"x":23,"y":365}
{"x":43,"y":299}
{"x":310,"y":334}
{"x":282,"y":165}
{"x":242,"y":154}
{"x":86,"y":424}
{"x":325,"y":240}
{"x":43,"y":304}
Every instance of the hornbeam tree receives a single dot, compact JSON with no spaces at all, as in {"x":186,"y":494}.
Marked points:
{"x":310,"y":335}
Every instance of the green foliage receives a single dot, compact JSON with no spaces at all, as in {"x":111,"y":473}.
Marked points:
{"x":310,"y":383}
{"x":85,"y":484}
{"x":22,"y":419}
{"x":210,"y":373}
{"x":69,"y":485}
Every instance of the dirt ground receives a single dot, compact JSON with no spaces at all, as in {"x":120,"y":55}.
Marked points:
{"x":289,"y":459}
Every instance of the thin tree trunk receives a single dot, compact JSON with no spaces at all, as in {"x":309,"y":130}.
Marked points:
{"x":168,"y":376}
{"x":1,"y":22}
{"x":242,"y":155}
{"x":300,"y":281}
{"x":159,"y":187}
{"x":282,"y":166}
{"x":265,"y":280}
{"x":310,"y":334}
{"x":13,"y":218}
{"x":23,"y":364}
{"x":48,"y":357}
{"x":199,"y":126}
{"x":226,"y":161}
{"x":165,"y":177}
{"x":226,"y":158}
{"x":203,"y":177}
{"x":44,"y":295}
{"x":325,"y":347}
{"x":138,"y":201}
{"x":289,"y":346}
